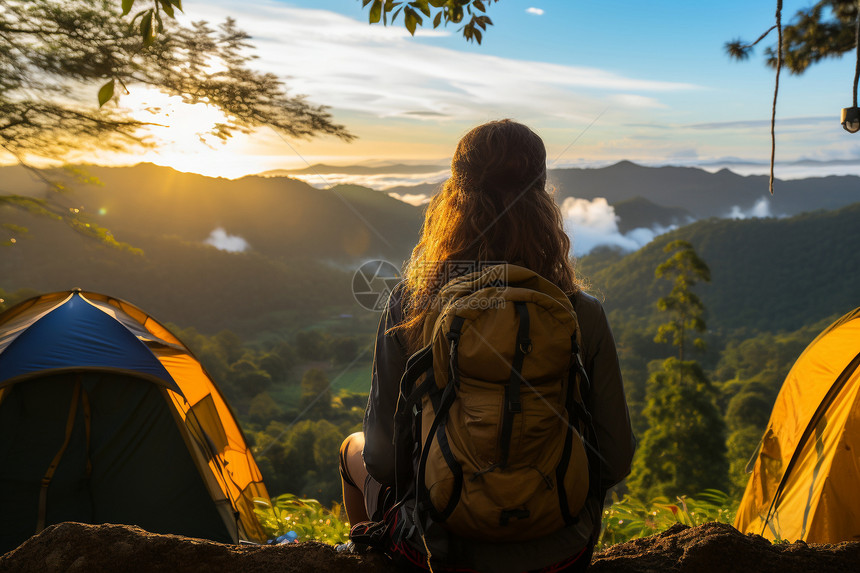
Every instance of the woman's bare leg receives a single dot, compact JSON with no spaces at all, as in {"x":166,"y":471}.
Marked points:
{"x":352,"y":469}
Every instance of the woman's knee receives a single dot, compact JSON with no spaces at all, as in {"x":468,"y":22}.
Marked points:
{"x":351,"y":460}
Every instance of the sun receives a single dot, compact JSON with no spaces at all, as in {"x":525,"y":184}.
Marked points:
{"x":182,"y":134}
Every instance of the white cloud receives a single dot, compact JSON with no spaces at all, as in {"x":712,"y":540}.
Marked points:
{"x":381,"y":71}
{"x":416,"y":199}
{"x":380,"y":182}
{"x":221,"y":240}
{"x":636,"y":101}
{"x":760,"y":210}
{"x":594,"y":223}
{"x":535,"y":11}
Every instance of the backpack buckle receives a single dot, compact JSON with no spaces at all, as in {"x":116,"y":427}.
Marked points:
{"x":525,"y":345}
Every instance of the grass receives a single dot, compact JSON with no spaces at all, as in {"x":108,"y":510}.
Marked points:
{"x":356,"y":379}
{"x":626,"y":519}
{"x":631,"y":518}
{"x":306,"y":517}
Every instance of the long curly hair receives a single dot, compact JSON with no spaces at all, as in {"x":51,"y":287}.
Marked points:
{"x":495,"y":207}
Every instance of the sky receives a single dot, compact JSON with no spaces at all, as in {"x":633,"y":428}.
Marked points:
{"x":600,"y":81}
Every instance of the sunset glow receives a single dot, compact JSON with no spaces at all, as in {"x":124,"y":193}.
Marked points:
{"x":183,"y":134}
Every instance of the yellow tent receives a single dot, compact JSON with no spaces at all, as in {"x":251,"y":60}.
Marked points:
{"x":805,"y":482}
{"x":106,"y":417}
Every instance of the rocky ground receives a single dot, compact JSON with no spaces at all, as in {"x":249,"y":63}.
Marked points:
{"x":713,"y":547}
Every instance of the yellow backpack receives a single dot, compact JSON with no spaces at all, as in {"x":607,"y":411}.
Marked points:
{"x":490,"y":416}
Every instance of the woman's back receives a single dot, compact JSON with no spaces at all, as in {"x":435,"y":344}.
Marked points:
{"x":495,"y":209}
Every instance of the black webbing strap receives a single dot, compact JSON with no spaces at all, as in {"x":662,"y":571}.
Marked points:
{"x":561,"y":469}
{"x":417,"y":365}
{"x":407,"y":415}
{"x":424,"y":503}
{"x":589,"y":434}
{"x":456,"y":469}
{"x":584,"y":382}
{"x":422,"y":493}
{"x":46,"y":479}
{"x":513,"y":405}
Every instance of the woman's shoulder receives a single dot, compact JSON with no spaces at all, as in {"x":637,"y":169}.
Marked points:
{"x":586,"y":306}
{"x":592,"y":320}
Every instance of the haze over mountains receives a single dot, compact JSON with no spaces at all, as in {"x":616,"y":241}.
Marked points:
{"x":297,"y":247}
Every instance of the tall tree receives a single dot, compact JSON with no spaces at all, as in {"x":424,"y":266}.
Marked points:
{"x":53,"y":54}
{"x":685,"y":307}
{"x":683,"y":449}
{"x":824,"y":30}
{"x":683,"y":452}
{"x":828,"y":29}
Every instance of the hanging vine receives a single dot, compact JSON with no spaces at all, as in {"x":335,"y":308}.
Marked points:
{"x":807,"y":40}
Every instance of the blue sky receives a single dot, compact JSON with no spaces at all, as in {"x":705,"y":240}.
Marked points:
{"x":654,"y":76}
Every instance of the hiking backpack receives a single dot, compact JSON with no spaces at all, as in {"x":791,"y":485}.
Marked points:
{"x":490,"y":424}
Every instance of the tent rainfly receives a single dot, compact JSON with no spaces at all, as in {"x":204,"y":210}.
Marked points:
{"x":805,"y":473}
{"x":106,"y":417}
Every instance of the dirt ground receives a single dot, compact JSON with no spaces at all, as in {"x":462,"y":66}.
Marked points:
{"x":713,"y":547}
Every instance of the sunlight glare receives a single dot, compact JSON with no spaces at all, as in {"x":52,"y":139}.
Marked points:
{"x":182,"y":133}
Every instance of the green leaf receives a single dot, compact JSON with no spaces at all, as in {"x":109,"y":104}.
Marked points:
{"x":126,"y":6}
{"x":412,"y":20}
{"x":423,"y":6}
{"x":178,"y":4}
{"x":145,"y":27}
{"x":106,"y":92}
{"x":167,"y":6}
{"x":478,"y":36}
{"x":375,"y":11}
{"x":437,"y":19}
{"x":479,"y":6}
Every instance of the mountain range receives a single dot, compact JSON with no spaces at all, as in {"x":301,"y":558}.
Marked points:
{"x":304,"y":244}
{"x":699,"y":193}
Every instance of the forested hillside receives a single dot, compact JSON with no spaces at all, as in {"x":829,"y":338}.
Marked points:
{"x":279,"y":217}
{"x":277,"y":325}
{"x":303,"y":245}
{"x":768,"y":274}
{"x":775,"y":283}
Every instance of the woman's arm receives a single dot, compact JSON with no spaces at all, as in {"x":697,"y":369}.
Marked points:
{"x":606,"y":401}
{"x":389,"y":363}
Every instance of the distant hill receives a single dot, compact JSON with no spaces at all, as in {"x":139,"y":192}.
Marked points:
{"x":186,"y":283}
{"x":705,"y":194}
{"x":638,"y":212}
{"x":305,"y":244}
{"x":322,"y":169}
{"x":768,"y":274}
{"x":690,"y":191}
{"x":279,"y":217}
